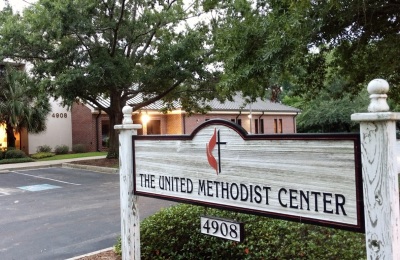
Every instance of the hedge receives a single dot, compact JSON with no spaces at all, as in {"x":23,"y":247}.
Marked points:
{"x":174,"y":233}
{"x":16,"y":160}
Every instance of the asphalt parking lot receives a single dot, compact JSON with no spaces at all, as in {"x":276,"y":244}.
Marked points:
{"x":59,"y":213}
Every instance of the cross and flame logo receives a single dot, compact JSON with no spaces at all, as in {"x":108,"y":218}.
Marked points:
{"x":215,"y":140}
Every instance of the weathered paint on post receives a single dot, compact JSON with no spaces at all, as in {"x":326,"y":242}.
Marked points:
{"x":130,"y":223}
{"x":380,"y":174}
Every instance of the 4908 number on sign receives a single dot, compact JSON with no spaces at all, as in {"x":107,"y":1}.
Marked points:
{"x":223,"y":228}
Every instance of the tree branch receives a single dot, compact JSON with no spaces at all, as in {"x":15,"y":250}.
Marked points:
{"x":158,"y":97}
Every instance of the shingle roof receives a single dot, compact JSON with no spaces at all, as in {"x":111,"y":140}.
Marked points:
{"x":238,"y":104}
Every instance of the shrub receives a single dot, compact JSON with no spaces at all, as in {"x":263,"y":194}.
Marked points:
{"x":41,"y":155}
{"x":118,"y":247}
{"x":173,"y":233}
{"x":79,"y":148}
{"x":61,"y":149}
{"x":43,"y":149}
{"x":12,"y":153}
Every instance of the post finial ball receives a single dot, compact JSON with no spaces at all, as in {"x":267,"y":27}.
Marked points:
{"x":127,"y":111}
{"x":378,"y":86}
{"x":377,"y":89}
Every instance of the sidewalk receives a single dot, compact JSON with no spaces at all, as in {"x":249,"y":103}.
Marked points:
{"x":55,"y":163}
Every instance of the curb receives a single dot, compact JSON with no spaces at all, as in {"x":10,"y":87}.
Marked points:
{"x":90,"y":254}
{"x":29,"y":167}
{"x":90,"y":168}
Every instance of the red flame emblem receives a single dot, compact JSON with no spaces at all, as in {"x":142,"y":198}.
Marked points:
{"x":210,"y":147}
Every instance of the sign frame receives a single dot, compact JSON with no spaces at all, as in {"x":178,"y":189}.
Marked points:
{"x":352,"y":137}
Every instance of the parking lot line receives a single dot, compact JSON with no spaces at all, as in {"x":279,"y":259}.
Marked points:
{"x":39,"y":177}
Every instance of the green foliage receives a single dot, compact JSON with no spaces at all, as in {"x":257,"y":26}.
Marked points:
{"x":61,"y":149}
{"x":12,"y":154}
{"x":173,"y":233}
{"x":327,"y":113}
{"x":16,"y":160}
{"x":41,"y":155}
{"x":21,"y":104}
{"x":43,"y":149}
{"x":92,"y":49}
{"x":308,"y":47}
{"x":79,"y":148}
{"x":118,"y":246}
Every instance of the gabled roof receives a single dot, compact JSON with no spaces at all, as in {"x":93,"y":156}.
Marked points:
{"x":237,"y":104}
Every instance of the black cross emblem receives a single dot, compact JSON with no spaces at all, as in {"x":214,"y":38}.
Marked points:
{"x":219,"y":150}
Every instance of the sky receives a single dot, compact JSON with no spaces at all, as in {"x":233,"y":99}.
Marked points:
{"x":17,"y":5}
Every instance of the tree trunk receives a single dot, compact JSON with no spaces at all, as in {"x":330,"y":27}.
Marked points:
{"x":115,"y":116}
{"x":10,"y":136}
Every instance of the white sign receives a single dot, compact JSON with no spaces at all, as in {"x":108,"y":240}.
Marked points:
{"x":305,"y":178}
{"x":223,"y":228}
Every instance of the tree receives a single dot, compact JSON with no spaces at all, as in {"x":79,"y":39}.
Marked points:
{"x":114,"y":49}
{"x":258,"y":45}
{"x":286,"y":43}
{"x":364,"y":36}
{"x":21,"y":106}
{"x":328,"y":114}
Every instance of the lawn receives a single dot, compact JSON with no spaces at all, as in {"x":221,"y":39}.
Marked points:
{"x":72,"y":155}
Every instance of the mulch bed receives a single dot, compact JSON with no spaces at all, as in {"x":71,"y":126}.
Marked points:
{"x":112,"y":163}
{"x":107,"y":255}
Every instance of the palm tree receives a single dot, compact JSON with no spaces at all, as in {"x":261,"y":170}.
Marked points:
{"x":21,"y":104}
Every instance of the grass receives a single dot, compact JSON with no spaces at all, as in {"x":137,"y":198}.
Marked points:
{"x":72,"y":155}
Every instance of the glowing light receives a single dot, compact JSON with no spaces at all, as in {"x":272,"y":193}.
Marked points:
{"x":145,"y":118}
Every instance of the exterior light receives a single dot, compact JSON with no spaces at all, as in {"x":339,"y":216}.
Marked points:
{"x":145,"y":119}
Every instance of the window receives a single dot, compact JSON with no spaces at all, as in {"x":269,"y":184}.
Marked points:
{"x":237,"y":121}
{"x":278,"y":126}
{"x":154,"y":127}
{"x":105,"y":133}
{"x":259,"y":126}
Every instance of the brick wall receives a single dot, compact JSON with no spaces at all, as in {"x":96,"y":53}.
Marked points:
{"x":84,"y":124}
{"x":83,"y":127}
{"x":174,"y":124}
{"x":288,"y":123}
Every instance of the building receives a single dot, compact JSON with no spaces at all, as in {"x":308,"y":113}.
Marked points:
{"x":91,"y":127}
{"x":58,"y":131}
{"x":85,"y":124}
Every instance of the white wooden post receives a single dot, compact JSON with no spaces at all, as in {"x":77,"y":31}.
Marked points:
{"x":130,"y":225}
{"x":380,"y":174}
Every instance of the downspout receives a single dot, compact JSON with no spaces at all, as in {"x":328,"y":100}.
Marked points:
{"x":184,"y":123}
{"x":97,"y":130}
{"x":294,"y":123}
{"x":236,"y":119}
{"x":259,"y":122}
